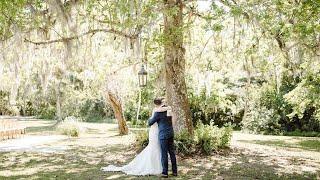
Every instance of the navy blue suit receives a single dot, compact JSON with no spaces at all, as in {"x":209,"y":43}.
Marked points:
{"x":166,"y":140}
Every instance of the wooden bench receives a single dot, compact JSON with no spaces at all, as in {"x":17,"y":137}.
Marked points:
{"x":10,"y":128}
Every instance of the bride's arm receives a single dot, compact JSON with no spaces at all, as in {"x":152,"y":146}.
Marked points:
{"x":152,"y":114}
{"x":152,"y":119}
{"x":163,"y":109}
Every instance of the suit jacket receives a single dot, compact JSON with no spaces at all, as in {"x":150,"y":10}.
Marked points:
{"x":164,"y":124}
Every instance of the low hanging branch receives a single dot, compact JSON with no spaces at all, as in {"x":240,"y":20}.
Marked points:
{"x":93,"y":31}
{"x":121,"y":68}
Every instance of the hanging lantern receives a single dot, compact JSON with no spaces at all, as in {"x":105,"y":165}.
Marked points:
{"x":142,"y":74}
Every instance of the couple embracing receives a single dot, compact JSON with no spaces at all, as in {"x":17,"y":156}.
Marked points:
{"x":153,"y":160}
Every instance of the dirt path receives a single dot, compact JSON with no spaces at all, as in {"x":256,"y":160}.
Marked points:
{"x":33,"y":143}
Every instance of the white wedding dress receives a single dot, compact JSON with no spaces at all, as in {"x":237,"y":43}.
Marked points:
{"x":148,"y":162}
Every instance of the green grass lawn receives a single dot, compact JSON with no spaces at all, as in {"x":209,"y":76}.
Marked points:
{"x":85,"y":163}
{"x":101,"y":146}
{"x":313,"y":145}
{"x":310,"y":145}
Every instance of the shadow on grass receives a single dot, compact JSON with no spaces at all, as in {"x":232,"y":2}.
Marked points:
{"x":256,"y":167}
{"x":78,"y":163}
{"x":311,"y":145}
{"x":236,"y":166}
{"x":41,"y":129}
{"x":85,"y":163}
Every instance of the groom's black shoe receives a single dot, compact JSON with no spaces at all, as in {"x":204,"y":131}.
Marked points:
{"x":174,"y":174}
{"x":164,"y":175}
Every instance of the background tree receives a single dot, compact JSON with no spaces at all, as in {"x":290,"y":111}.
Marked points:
{"x":241,"y":62}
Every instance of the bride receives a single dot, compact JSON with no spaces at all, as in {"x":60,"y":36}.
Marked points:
{"x":148,"y":162}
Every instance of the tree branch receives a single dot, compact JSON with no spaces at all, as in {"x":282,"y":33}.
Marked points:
{"x":121,"y":68}
{"x":93,"y":31}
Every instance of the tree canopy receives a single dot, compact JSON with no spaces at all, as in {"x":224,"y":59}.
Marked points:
{"x":253,"y":63}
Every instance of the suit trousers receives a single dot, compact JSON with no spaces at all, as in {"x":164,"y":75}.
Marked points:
{"x":167,"y":146}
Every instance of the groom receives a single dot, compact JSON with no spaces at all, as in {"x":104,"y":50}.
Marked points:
{"x":165,"y":137}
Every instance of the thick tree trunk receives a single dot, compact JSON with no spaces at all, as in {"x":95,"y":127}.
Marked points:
{"x":247,"y":87}
{"x":14,"y":90}
{"x":58,"y":103}
{"x":117,"y":109}
{"x":176,"y":90}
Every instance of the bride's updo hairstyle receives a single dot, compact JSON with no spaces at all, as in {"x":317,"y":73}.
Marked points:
{"x":157,"y":101}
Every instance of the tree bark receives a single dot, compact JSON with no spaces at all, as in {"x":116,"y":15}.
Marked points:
{"x":247,"y":87}
{"x":139,"y":106}
{"x":117,"y":109}
{"x":176,"y":89}
{"x":58,"y":102}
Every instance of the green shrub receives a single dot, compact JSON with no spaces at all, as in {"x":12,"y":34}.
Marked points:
{"x":206,"y":139}
{"x":5,"y":108}
{"x":184,"y":143}
{"x":292,"y":106}
{"x":262,"y":120}
{"x":70,"y":127}
{"x":302,"y":133}
{"x":46,"y":111}
{"x":130,"y":113}
{"x":131,"y":106}
{"x":226,"y":134}
{"x":305,"y":102}
{"x":142,"y":139}
{"x":217,"y":107}
{"x":266,"y":112}
{"x":93,"y":110}
{"x":210,"y":138}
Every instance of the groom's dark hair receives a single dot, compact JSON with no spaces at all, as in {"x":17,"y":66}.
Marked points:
{"x":157,"y":101}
